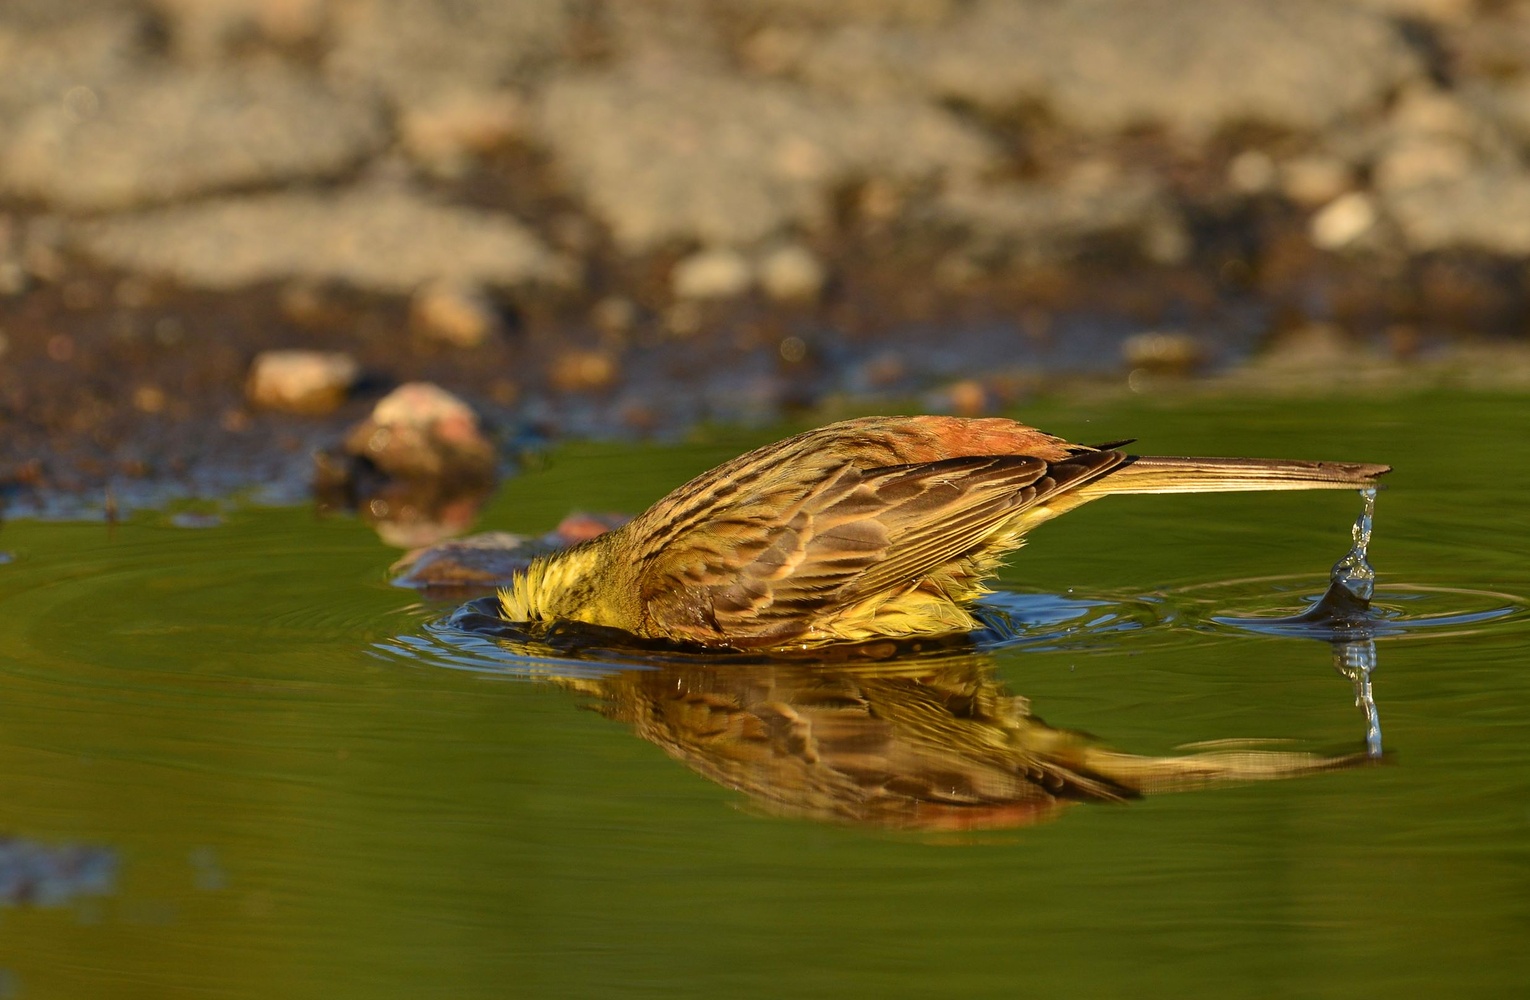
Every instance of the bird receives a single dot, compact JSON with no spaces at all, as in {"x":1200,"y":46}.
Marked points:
{"x":882,"y":527}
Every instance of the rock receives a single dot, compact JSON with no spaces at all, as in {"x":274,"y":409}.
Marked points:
{"x":1343,"y":221}
{"x":310,"y":382}
{"x":415,"y":51}
{"x":1108,"y":65}
{"x":421,"y":431}
{"x":371,"y":238}
{"x":791,"y":273}
{"x":685,"y":155}
{"x":1419,"y":162}
{"x":1057,"y":221}
{"x":483,"y":561}
{"x":47,"y":62}
{"x":491,"y":559}
{"x":1433,"y":136}
{"x":720,"y":273}
{"x":454,"y":313}
{"x":1485,"y":210}
{"x":156,"y":136}
{"x":418,"y":470}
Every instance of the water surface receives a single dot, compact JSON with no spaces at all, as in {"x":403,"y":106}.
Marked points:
{"x":286,"y":777}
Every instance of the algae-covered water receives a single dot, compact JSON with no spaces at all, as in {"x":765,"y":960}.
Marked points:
{"x":236,"y":762}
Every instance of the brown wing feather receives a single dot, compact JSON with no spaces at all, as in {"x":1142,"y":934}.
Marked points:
{"x":770,"y":562}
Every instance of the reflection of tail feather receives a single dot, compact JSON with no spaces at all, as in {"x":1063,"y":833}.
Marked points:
{"x":1151,"y":775}
{"x":948,"y":748}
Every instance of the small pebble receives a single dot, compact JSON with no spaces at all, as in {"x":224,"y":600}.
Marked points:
{"x":1252,"y":172}
{"x":443,"y":133}
{"x":309,"y":382}
{"x":791,"y":273}
{"x":454,"y":313}
{"x":712,"y":274}
{"x":1315,"y":179}
{"x":1343,"y":221}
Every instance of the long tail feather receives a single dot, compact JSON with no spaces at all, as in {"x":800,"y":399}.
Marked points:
{"x":1161,"y":474}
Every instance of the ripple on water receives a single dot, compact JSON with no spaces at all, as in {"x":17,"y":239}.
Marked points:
{"x":1280,"y":606}
{"x":473,"y":637}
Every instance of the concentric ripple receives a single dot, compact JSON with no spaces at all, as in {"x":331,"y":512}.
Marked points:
{"x":474,"y":637}
{"x":1284,"y":605}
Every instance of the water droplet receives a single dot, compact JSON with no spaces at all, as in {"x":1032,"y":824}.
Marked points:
{"x":1354,"y":572}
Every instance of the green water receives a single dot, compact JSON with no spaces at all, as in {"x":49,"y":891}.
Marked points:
{"x":299,"y":799}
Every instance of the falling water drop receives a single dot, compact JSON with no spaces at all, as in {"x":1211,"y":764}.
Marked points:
{"x":1356,"y":658}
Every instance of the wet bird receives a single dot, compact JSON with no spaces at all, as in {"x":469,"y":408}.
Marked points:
{"x":879,"y":527}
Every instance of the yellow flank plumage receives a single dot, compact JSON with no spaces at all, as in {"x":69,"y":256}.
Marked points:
{"x":868,"y":528}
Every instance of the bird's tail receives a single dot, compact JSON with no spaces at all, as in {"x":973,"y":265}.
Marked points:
{"x":1158,"y":474}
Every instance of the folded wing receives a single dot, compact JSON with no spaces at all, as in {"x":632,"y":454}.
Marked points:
{"x":774,"y":561}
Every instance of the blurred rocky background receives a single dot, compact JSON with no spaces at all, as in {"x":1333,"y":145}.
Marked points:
{"x":622,"y":217}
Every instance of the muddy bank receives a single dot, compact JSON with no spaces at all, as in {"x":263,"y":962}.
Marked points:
{"x":603,"y":219}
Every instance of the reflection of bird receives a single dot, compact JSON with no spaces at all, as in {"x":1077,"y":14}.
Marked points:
{"x":921,"y":743}
{"x":882,"y":526}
